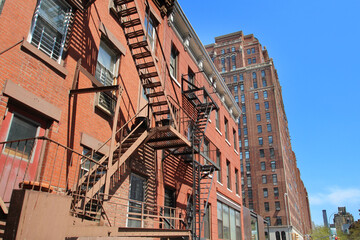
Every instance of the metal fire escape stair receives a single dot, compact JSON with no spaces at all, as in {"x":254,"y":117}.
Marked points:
{"x":203,"y":105}
{"x":144,"y":59}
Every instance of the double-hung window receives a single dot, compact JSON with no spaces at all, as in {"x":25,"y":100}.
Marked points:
{"x":150,"y":25}
{"x":49,"y":27}
{"x":174,"y":62}
{"x":105,"y":73}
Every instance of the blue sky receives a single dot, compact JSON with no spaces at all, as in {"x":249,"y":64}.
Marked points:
{"x":315,"y":45}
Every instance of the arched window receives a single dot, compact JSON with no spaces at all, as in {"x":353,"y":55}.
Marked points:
{"x":277,"y":235}
{"x":283,"y":235}
{"x":254,"y":75}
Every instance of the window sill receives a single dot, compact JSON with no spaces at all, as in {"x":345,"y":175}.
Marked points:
{"x":227,"y":142}
{"x":220,"y":183}
{"x":59,"y":68}
{"x":175,"y":80}
{"x":218,"y":131}
{"x":236,"y":152}
{"x":229,"y":189}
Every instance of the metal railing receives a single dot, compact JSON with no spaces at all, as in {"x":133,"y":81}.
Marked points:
{"x":39,"y":164}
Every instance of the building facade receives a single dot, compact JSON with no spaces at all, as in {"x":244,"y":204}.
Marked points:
{"x":112,"y":111}
{"x":270,"y":178}
{"x":343,"y":220}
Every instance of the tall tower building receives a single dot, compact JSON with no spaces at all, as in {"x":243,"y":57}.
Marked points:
{"x":271,"y":182}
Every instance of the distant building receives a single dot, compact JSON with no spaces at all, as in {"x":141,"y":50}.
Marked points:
{"x":343,"y":220}
{"x":326,"y":224}
{"x":270,"y":178}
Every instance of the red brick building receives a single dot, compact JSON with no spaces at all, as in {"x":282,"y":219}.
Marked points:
{"x":112,"y":111}
{"x":271,"y":182}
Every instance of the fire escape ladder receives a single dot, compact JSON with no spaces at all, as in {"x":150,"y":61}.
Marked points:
{"x":141,"y":48}
{"x":91,"y":185}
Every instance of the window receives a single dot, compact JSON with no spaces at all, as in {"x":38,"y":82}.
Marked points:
{"x":222,"y":51}
{"x":237,"y":181}
{"x":235,"y":141}
{"x":269,"y":127}
{"x":265,"y":192}
{"x":248,"y":51}
{"x":226,"y":129}
{"x":274,"y":178}
{"x":256,"y":95}
{"x":239,"y":132}
{"x":266,"y":206}
{"x":249,"y":60}
{"x":266,"y":105}
{"x":269,"y":223}
{"x":263,"y":166}
{"x":255,"y":84}
{"x":263,"y":73}
{"x":270,"y":139}
{"x":169,"y":204}
{"x":150,"y":24}
{"x":241,"y":77}
{"x":267,"y":116}
{"x":206,"y":149}
{"x":264,"y":179}
{"x":247,"y":155}
{"x":49,"y":27}
{"x":261,"y":141}
{"x":241,"y":155}
{"x":250,"y":193}
{"x":272,"y":153}
{"x":259,"y":128}
{"x":244,"y":119}
{"x":251,"y":206}
{"x":262,"y":153}
{"x":21,"y":128}
{"x":273,"y":165}
{"x":218,"y":161}
{"x":258,"y":117}
{"x":245,"y":131}
{"x":254,"y":75}
{"x":228,"y":62}
{"x":278,"y":220}
{"x":252,"y":50}
{"x":236,"y":89}
{"x":207,"y":222}
{"x":174,"y":62}
{"x":223,"y":64}
{"x":235,"y":78}
{"x":86,"y":164}
{"x":217,"y":119}
{"x":243,"y":108}
{"x":237,"y":99}
{"x":105,"y":72}
{"x":247,"y":166}
{"x":265,"y":95}
{"x":248,"y":178}
{"x":229,"y":222}
{"x":276,"y":192}
{"x":137,"y":194}
{"x":1,"y":5}
{"x":233,"y":49}
{"x":277,"y":206}
{"x":246,"y":142}
{"x":228,"y":175}
{"x":264,"y":83}
{"x":257,"y":106}
{"x":233,"y":60}
{"x":242,"y":98}
{"x":254,"y":60}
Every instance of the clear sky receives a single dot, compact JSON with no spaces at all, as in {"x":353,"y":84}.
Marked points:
{"x":314,"y":44}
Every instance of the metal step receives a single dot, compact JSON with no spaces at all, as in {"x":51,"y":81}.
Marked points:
{"x":162,"y":112}
{"x":157,"y":104}
{"x":149,"y":75}
{"x":127,"y":12}
{"x":155,"y":94}
{"x":138,"y":44}
{"x":152,"y":85}
{"x":121,"y":2}
{"x":131,"y":23}
{"x":135,"y":34}
{"x":142,"y":55}
{"x":145,"y":65}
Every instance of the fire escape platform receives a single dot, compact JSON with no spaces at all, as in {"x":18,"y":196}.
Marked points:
{"x":166,"y":137}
